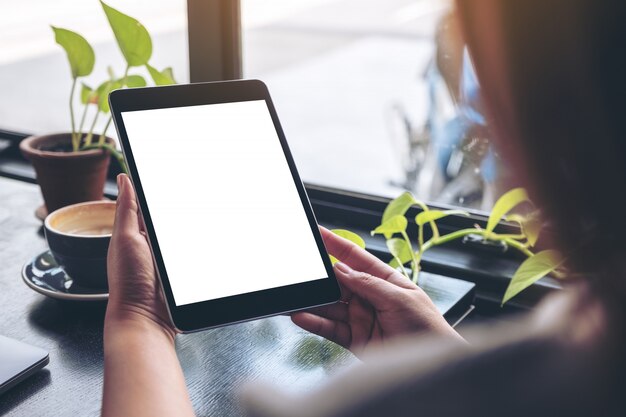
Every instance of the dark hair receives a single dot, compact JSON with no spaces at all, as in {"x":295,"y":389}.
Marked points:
{"x":553,"y":73}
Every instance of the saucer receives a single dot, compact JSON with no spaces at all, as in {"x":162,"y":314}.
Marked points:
{"x":44,"y":275}
{"x":42,"y":212}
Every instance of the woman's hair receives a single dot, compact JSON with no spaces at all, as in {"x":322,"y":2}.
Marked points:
{"x":553,"y":73}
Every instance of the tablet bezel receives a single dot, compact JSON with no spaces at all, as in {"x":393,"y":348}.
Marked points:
{"x":237,"y":308}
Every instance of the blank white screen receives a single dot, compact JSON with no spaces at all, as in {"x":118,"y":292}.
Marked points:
{"x":224,"y":206}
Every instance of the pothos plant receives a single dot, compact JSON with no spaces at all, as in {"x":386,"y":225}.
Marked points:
{"x":409,"y":252}
{"x":135,"y":44}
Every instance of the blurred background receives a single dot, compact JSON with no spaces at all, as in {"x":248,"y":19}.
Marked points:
{"x":375,"y":96}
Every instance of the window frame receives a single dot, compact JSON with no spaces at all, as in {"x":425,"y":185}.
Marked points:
{"x":214,"y":40}
{"x":215,"y":53}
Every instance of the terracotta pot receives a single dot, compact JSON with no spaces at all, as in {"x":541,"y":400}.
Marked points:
{"x":66,"y":177}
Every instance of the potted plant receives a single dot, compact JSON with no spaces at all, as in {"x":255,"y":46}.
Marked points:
{"x":71,"y":167}
{"x":394,"y":228}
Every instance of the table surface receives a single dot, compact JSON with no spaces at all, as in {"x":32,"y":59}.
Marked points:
{"x":215,"y":362}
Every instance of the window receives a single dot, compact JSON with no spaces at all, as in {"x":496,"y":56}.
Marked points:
{"x":378,"y":97}
{"x":34,"y":75}
{"x":375,"y":96}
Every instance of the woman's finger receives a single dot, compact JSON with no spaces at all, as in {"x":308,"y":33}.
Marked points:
{"x":335,"y":331}
{"x":381,"y":294}
{"x":360,"y":259}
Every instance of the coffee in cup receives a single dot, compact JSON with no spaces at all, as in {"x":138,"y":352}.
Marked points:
{"x":78,"y":236}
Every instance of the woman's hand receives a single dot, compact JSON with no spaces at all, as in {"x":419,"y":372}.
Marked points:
{"x":135,"y":298}
{"x":378,"y":302}
{"x":142,"y":375}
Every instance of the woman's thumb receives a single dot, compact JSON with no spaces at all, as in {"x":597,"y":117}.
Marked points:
{"x":126,"y":211}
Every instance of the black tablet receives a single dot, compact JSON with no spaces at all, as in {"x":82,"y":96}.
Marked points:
{"x":231,"y":228}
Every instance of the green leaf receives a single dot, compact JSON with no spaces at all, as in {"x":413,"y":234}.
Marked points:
{"x":505,"y":204}
{"x":400,"y":250}
{"x":87,"y":95}
{"x":79,"y":53}
{"x":531,"y":270}
{"x":169,"y":72}
{"x":398,"y":206}
{"x":395,"y":224}
{"x":132,"y":37}
{"x":134,"y":81}
{"x":433,"y":215}
{"x":532,"y":229}
{"x":352,"y":237}
{"x":103,"y":94}
{"x":394,"y":263}
{"x":530,"y":225}
{"x":165,"y":77}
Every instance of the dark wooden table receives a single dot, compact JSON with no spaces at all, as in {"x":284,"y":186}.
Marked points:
{"x":216,"y":362}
